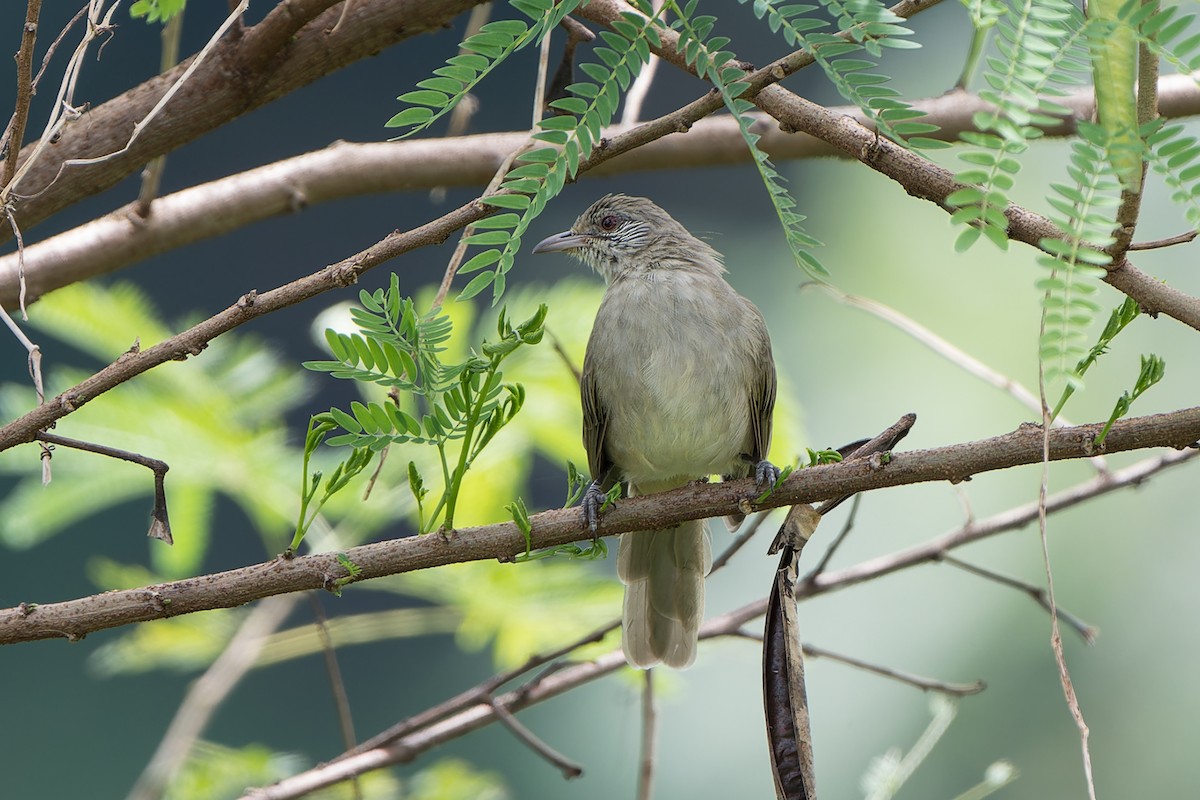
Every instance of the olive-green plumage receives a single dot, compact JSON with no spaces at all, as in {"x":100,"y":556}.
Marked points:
{"x":678,"y":384}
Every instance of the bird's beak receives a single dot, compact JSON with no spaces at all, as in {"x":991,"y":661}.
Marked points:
{"x":559,"y":242}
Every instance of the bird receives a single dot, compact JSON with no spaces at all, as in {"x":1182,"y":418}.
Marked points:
{"x":678,"y":384}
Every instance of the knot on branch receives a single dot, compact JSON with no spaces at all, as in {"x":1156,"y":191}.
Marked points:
{"x":345,"y":274}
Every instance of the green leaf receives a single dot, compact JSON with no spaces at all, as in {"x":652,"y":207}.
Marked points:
{"x":415,"y":115}
{"x":488,"y":238}
{"x":514,"y":201}
{"x":425,"y":97}
{"x":477,"y":285}
{"x":479,"y":261}
{"x":346,"y":421}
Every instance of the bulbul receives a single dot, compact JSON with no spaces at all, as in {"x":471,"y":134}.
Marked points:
{"x":678,"y":384}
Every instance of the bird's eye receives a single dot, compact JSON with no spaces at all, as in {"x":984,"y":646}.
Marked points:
{"x":609,"y":223}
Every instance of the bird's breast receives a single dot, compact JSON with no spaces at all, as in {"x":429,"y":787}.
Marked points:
{"x":673,"y":363}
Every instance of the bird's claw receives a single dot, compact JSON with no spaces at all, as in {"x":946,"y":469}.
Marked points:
{"x":593,"y":500}
{"x":766,"y":474}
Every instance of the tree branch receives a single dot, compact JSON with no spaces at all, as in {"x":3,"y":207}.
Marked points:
{"x":474,"y":712}
{"x":289,"y":49}
{"x":345,"y":169}
{"x":74,"y":619}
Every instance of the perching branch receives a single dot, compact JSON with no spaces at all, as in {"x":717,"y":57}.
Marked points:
{"x":74,"y":619}
{"x":470,"y":710}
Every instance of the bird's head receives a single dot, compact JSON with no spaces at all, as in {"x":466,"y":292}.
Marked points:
{"x":619,"y":233}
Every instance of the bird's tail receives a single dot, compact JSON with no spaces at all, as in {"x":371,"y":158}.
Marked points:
{"x":663,"y":572}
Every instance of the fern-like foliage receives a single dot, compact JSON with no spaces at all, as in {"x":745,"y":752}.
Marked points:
{"x":1170,"y":152}
{"x":1085,"y":210}
{"x":495,"y":42}
{"x":1176,"y":157}
{"x":156,"y":10}
{"x":565,"y":140}
{"x":464,"y":405}
{"x":1114,"y":56}
{"x":865,"y":25}
{"x":1159,"y":28}
{"x":713,"y":63}
{"x":1042,"y":43}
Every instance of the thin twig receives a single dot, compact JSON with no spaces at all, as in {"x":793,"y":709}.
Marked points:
{"x":923,"y":683}
{"x":393,"y":396}
{"x":964,"y":500}
{"x":152,"y":175}
{"x":645,"y":786}
{"x":460,"y":249}
{"x":920,"y":682}
{"x":15,"y":133}
{"x":207,"y":694}
{"x":1087,"y":632}
{"x":54,"y":46}
{"x":153,"y":464}
{"x":827,"y":556}
{"x":23,"y":286}
{"x":196,"y":61}
{"x":336,"y":684}
{"x":565,"y":765}
{"x":1170,"y":241}
{"x":938,"y":345}
{"x":1056,"y":647}
{"x":160,"y":524}
{"x":744,"y":535}
{"x":346,"y":6}
{"x":35,"y":354}
{"x":476,"y":694}
{"x":557,"y":344}
{"x":539,"y":88}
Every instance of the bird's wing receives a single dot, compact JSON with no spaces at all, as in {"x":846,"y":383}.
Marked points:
{"x":762,"y":404}
{"x":595,"y":425}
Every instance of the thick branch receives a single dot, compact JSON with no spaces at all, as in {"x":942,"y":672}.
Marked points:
{"x":77,"y":618}
{"x":290,"y":48}
{"x":468,"y":712}
{"x":345,"y":169}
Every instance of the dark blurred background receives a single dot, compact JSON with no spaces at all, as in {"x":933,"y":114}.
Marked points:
{"x":1124,"y":563}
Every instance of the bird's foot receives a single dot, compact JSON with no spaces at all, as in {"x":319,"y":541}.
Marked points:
{"x":594,"y":499}
{"x":766,"y":474}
